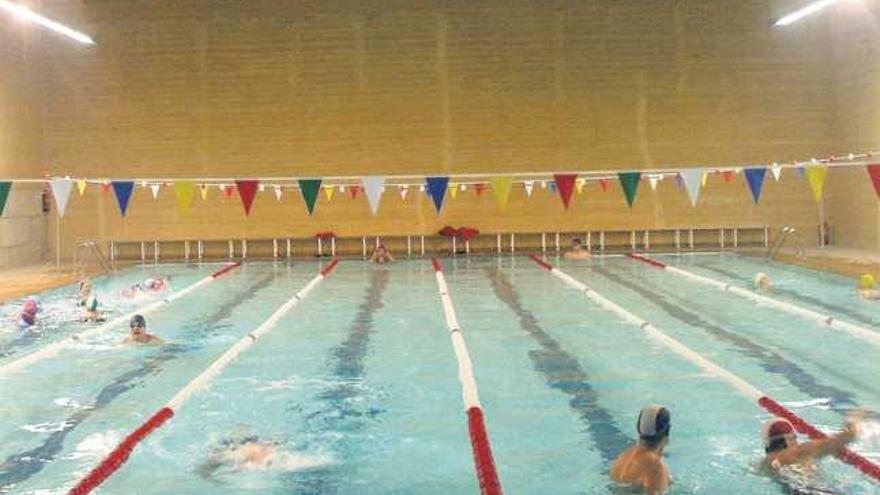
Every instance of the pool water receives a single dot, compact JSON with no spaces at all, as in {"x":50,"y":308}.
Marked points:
{"x":358,"y":385}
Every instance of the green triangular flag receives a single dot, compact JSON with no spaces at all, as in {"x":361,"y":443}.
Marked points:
{"x":629,"y":181}
{"x":309,"y":189}
{"x":4,"y":194}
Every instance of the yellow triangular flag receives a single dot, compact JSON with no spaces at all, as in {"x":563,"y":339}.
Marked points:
{"x":501,"y":189}
{"x":453,"y":190}
{"x":328,"y":191}
{"x":579,"y":185}
{"x":203,"y":190}
{"x":816,"y":174}
{"x":184,"y":191}
{"x":704,"y":179}
{"x":81,"y":187}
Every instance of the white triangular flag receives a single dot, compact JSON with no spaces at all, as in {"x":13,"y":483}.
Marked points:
{"x":403,"y":191}
{"x":262,"y":187}
{"x":653,"y":180}
{"x":530,"y":186}
{"x":373,"y":186}
{"x":776,"y":169}
{"x":278,"y":193}
{"x":693,"y":182}
{"x":155,"y":189}
{"x":543,"y":184}
{"x":61,"y":190}
{"x":421,"y":188}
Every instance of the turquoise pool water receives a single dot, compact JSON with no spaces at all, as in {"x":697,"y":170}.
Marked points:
{"x":358,"y":385}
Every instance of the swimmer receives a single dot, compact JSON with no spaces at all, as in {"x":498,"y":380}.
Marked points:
{"x":381,"y":255}
{"x":156,"y":284}
{"x":133,"y":291}
{"x":85,"y":290}
{"x":92,"y":313}
{"x":577,"y":251}
{"x":139,"y":334}
{"x":762,"y":282}
{"x":782,"y":447}
{"x":246,"y":454}
{"x":642,"y":466}
{"x":28,"y":316}
{"x":255,"y":454}
{"x":867,"y":288}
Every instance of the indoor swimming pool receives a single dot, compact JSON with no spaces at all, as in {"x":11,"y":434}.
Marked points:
{"x":357,"y":387}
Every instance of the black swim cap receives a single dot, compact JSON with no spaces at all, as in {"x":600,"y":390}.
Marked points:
{"x":137,"y":321}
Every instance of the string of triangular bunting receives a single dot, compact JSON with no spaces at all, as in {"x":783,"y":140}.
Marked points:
{"x":439,"y":188}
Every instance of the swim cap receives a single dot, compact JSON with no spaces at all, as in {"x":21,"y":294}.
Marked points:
{"x":866,"y":281}
{"x":137,"y":321}
{"x":30,"y":306}
{"x":776,"y":429}
{"x":760,"y":277}
{"x":654,"y":421}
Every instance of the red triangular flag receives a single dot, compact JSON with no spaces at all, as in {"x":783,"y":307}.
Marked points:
{"x":480,"y":188}
{"x":728,"y":175}
{"x":604,"y":184}
{"x":247,"y":189}
{"x":105,"y":187}
{"x":228,"y":190}
{"x":874,"y":172}
{"x":565,"y":186}
{"x":354,"y":191}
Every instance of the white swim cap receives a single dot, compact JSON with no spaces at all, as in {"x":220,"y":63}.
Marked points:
{"x":654,"y":421}
{"x":760,"y":278}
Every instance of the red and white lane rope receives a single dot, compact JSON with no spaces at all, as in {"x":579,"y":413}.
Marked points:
{"x":52,"y":349}
{"x":856,"y":331}
{"x":762,"y":399}
{"x":487,"y":474}
{"x":116,"y":458}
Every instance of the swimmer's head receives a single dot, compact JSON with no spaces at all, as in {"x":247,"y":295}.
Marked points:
{"x":762,"y":280}
{"x":653,"y":425}
{"x":778,"y":434}
{"x":866,"y":281}
{"x":577,"y":242}
{"x":138,"y":324}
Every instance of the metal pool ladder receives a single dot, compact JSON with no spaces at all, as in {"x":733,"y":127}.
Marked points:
{"x":95,"y":250}
{"x":779,"y":241}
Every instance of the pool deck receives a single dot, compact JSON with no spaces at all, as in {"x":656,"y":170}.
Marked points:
{"x":844,"y":261}
{"x":19,"y":282}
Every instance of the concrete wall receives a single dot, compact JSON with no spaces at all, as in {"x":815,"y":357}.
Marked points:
{"x":193,"y":88}
{"x":23,"y":225}
{"x":853,"y":208}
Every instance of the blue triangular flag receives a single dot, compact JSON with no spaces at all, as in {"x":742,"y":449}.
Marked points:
{"x":123,"y":190}
{"x":755,"y":180}
{"x":437,"y":190}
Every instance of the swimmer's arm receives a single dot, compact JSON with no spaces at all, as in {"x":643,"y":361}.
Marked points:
{"x":156,"y":340}
{"x":817,"y":449}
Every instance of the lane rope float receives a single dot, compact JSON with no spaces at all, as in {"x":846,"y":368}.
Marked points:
{"x":861,"y":463}
{"x":487,"y":473}
{"x":119,"y":455}
{"x":830,"y":321}
{"x":54,"y":348}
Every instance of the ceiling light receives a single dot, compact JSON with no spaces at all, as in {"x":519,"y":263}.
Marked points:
{"x":797,"y":15}
{"x":29,"y":15}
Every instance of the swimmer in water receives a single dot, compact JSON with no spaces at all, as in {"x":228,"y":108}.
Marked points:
{"x":762,"y":282}
{"x":642,"y":466}
{"x":867,"y":288}
{"x":577,"y":251}
{"x":28,"y":316}
{"x":152,"y":284}
{"x":252,"y":453}
{"x":85,"y":290}
{"x":139,"y":334}
{"x":246,"y":454}
{"x":381,"y":255}
{"x":782,"y":447}
{"x":92,"y":313}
